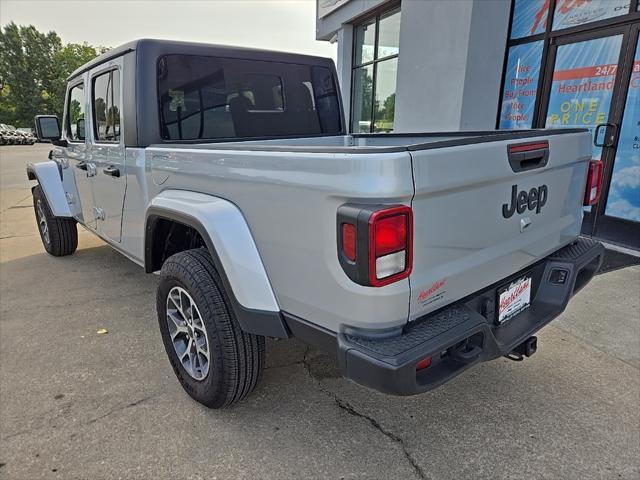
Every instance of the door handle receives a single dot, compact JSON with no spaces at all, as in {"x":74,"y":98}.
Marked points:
{"x":527,"y":156}
{"x":609,"y":138}
{"x":111,"y":171}
{"x":82,"y":165}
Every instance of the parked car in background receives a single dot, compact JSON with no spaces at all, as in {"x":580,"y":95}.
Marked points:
{"x":10,"y":136}
{"x":28,"y":135}
{"x":16,"y":136}
{"x":20,"y":139}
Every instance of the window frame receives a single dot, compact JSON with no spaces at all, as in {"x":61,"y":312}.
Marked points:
{"x":92,"y":80}
{"x":549,"y":37}
{"x":67,"y":123}
{"x":376,"y":15}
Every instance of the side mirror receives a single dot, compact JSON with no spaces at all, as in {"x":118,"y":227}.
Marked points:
{"x":80,"y":129}
{"x":47,"y":127}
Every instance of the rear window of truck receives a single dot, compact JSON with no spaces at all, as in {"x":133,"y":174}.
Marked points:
{"x":207,"y":98}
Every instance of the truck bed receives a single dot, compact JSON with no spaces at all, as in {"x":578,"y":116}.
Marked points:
{"x":457,"y":185}
{"x":373,"y":142}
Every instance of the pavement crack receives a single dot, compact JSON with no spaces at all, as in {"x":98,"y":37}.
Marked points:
{"x":347,"y":407}
{"x":123,"y":407}
{"x":2,"y":210}
{"x":19,"y":236}
{"x":43,"y":424}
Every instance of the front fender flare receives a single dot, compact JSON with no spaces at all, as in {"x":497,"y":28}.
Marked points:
{"x":225,"y":231}
{"x":47,"y":174}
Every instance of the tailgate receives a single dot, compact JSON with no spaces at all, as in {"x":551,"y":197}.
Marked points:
{"x":473,"y":226}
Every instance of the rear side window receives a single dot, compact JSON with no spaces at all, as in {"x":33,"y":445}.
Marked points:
{"x":75,"y":114}
{"x":106,"y":107}
{"x":204,"y":98}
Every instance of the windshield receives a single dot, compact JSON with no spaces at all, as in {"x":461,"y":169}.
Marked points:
{"x":217,"y":98}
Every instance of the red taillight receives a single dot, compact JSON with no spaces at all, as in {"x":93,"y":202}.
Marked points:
{"x":390,"y":235}
{"x":594,"y":183}
{"x":375,"y":242}
{"x":349,"y":241}
{"x":422,"y":364}
{"x":390,"y":245}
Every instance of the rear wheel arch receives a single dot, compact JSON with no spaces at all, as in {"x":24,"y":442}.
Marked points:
{"x":158,"y":225}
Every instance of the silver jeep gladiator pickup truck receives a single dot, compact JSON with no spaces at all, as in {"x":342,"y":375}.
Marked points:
{"x":411,"y":257}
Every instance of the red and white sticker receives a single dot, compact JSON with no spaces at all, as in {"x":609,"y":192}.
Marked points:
{"x":434,"y":293}
{"x":514,"y":299}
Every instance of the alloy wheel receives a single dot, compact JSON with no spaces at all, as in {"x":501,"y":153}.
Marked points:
{"x":42,"y":222}
{"x":188,"y":333}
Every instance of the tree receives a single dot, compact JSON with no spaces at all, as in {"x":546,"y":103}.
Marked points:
{"x":69,"y":58}
{"x":35,"y":67}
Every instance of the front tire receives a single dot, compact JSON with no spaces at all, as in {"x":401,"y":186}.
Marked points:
{"x":215,"y":361}
{"x":59,"y":235}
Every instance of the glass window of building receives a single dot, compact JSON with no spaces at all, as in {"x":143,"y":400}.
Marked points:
{"x":529,"y":17}
{"x":375,"y":67}
{"x":521,"y":85}
{"x":571,"y":13}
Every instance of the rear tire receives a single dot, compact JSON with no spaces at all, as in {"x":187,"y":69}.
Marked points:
{"x":234,"y":360}
{"x":59,"y":235}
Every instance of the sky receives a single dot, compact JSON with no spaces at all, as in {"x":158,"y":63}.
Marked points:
{"x":287,"y":25}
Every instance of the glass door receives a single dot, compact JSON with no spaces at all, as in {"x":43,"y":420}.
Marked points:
{"x":618,"y":214}
{"x":583,"y":89}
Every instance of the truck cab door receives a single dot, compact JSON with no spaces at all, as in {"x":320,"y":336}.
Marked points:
{"x":107,"y":149}
{"x":77,"y":151}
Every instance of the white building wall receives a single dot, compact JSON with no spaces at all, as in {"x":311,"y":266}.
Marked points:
{"x":450,"y":64}
{"x":485,"y":59}
{"x":345,"y":49}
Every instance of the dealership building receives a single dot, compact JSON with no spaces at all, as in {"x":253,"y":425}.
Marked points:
{"x":439,"y":65}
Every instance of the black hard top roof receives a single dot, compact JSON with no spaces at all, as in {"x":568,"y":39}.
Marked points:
{"x":158,"y":47}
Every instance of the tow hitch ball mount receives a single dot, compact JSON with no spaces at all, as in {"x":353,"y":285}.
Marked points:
{"x":525,"y":349}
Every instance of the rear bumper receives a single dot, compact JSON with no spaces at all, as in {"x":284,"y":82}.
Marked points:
{"x":466,"y":333}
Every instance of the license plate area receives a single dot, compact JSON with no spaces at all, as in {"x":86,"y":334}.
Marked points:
{"x":513,"y":299}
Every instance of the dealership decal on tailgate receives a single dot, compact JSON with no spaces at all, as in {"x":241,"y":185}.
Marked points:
{"x":514,"y":299}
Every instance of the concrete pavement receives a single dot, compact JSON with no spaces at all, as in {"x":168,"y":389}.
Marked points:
{"x":75,"y":404}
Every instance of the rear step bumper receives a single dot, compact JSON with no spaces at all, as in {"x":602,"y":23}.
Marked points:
{"x":467,"y":333}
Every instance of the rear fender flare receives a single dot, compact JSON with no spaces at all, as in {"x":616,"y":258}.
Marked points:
{"x":225,"y":231}
{"x":48,"y":175}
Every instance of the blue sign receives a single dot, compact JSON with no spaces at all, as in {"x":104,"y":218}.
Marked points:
{"x":529,"y":17}
{"x":624,"y":191}
{"x":570,"y":13}
{"x":520,"y":85}
{"x":582,"y":86}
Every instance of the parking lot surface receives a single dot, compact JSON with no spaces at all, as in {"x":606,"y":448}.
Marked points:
{"x":75,"y":404}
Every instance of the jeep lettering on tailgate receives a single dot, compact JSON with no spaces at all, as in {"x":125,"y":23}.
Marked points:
{"x":535,"y":199}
